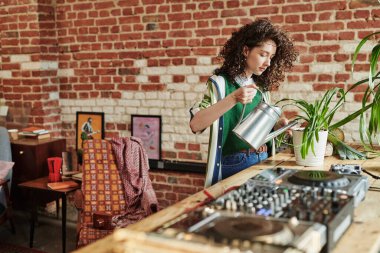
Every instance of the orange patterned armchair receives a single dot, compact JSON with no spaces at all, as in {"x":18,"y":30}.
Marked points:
{"x":102,"y":190}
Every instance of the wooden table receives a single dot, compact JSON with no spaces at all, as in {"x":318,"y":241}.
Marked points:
{"x":40,"y":185}
{"x":362,"y":236}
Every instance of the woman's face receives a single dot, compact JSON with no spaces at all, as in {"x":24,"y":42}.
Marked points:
{"x":258,"y":58}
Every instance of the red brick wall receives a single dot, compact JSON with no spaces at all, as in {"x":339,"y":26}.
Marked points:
{"x":154,"y":56}
{"x":172,"y":187}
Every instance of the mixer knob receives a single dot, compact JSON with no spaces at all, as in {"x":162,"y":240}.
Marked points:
{"x":272,"y":207}
{"x":310,"y":215}
{"x":235,"y":243}
{"x":251,"y":208}
{"x":246,"y":245}
{"x":314,"y":193}
{"x":219,"y":204}
{"x":322,"y":192}
{"x":286,"y":196}
{"x":264,"y":192}
{"x":299,"y":214}
{"x":325,"y":216}
{"x":228,"y":204}
{"x":335,"y":206}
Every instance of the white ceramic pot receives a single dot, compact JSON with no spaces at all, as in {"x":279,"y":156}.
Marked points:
{"x":311,"y":159}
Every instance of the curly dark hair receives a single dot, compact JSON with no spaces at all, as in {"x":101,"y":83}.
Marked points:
{"x":252,"y":35}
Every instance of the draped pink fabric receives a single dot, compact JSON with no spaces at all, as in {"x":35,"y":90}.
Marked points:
{"x":132,"y":163}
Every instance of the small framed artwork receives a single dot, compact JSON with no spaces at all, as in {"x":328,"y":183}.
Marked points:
{"x":148,"y":129}
{"x":90,"y":125}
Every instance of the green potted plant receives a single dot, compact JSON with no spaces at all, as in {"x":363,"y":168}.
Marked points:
{"x":319,"y":115}
{"x":368,"y":128}
{"x":316,"y":117}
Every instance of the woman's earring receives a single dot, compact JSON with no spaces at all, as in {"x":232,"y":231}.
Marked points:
{"x":242,"y":63}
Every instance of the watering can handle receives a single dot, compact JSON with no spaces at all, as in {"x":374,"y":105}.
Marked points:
{"x":242,"y":112}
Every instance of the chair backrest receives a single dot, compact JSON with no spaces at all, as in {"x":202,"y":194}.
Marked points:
{"x":5,"y":155}
{"x":101,"y":185}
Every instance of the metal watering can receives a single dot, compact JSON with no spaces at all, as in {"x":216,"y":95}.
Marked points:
{"x":255,"y":128}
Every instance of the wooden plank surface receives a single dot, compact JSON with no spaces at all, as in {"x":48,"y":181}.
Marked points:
{"x":362,"y":236}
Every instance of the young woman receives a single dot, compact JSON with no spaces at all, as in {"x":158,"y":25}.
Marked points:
{"x":255,"y":57}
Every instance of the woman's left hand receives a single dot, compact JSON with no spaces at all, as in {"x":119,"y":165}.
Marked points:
{"x":283,"y":122}
{"x":262,"y":148}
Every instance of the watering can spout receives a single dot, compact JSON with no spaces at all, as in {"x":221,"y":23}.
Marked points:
{"x":280,"y":131}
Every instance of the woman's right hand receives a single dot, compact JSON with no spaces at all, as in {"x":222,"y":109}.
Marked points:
{"x":245,"y":94}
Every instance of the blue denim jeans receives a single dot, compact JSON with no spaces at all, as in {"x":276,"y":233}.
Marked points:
{"x":232,"y":164}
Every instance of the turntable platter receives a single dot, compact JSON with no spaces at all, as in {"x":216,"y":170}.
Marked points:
{"x":260,"y":230}
{"x":319,"y":178}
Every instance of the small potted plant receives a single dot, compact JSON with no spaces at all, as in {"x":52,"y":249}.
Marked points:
{"x":316,"y":118}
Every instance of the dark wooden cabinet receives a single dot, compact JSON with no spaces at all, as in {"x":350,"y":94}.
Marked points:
{"x":30,"y":157}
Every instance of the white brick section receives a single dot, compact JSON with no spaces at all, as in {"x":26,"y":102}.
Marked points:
{"x":112,"y":118}
{"x":204,"y":69}
{"x":166,"y":112}
{"x":43,"y":65}
{"x":142,"y":79}
{"x":297,"y":88}
{"x":154,"y":111}
{"x":154,"y":71}
{"x":131,"y":110}
{"x":350,"y":47}
{"x":68,"y":117}
{"x":127,"y":95}
{"x":20,"y":58}
{"x":139,"y":95}
{"x":191,"y":96}
{"x":76,"y":109}
{"x":178,"y":86}
{"x":85,"y":102}
{"x":151,"y":95}
{"x":6,"y":74}
{"x":67,"y":102}
{"x":192,"y":79}
{"x":174,"y":104}
{"x":131,"y":103}
{"x":204,"y":60}
{"x":166,"y":78}
{"x":200,"y":87}
{"x":91,"y":109}
{"x":46,"y":65}
{"x":164,"y":95}
{"x":358,"y":76}
{"x":105,"y":102}
{"x":65,"y":110}
{"x":140,"y":63}
{"x":65,"y":72}
{"x":166,"y":145}
{"x":351,"y":106}
{"x":108,"y":110}
{"x":178,"y":138}
{"x":119,"y":110}
{"x":54,"y":95}
{"x":180,"y":70}
{"x":143,"y":111}
{"x":177,"y":96}
{"x":152,"y":103}
{"x":326,"y":68}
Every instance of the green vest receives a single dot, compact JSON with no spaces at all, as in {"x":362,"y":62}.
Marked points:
{"x":231,"y":143}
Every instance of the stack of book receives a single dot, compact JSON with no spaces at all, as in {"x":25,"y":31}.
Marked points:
{"x":35,"y":133}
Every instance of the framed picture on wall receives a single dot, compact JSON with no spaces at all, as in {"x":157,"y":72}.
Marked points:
{"x":90,"y":125}
{"x":148,"y":129}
